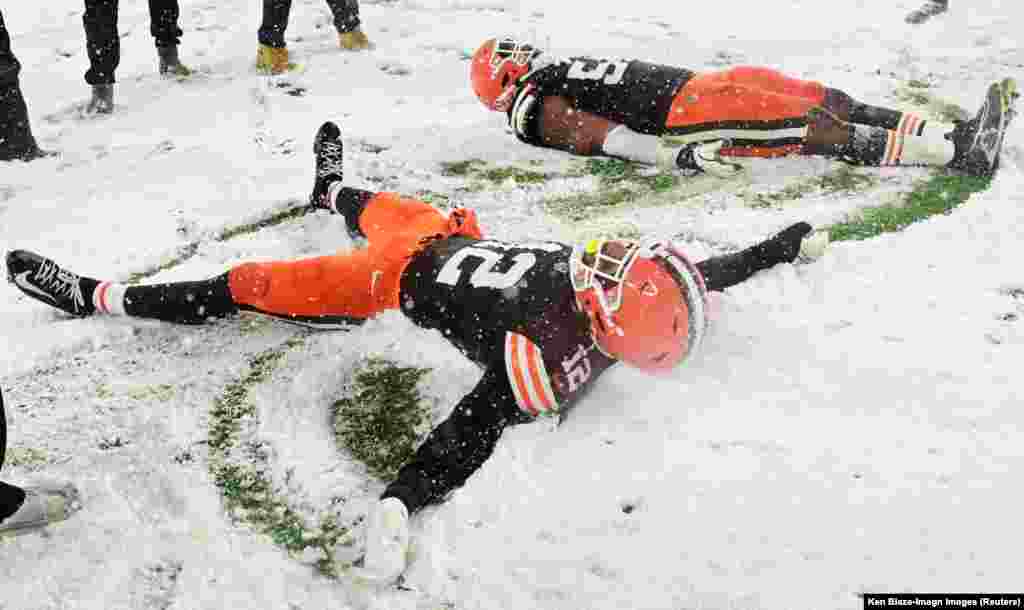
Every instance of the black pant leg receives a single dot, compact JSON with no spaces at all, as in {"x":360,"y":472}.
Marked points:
{"x":3,"y":430}
{"x":275,"y":22}
{"x":101,"y":41}
{"x":163,"y":22}
{"x":16,"y":141}
{"x":346,"y":14}
{"x":9,"y":66}
{"x":182,"y":302}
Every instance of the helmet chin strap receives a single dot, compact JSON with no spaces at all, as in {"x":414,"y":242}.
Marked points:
{"x":612,"y":326}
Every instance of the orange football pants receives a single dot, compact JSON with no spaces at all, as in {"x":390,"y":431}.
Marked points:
{"x":358,"y":283}
{"x":745,"y":93}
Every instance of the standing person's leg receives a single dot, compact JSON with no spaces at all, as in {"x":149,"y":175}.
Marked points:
{"x":16,"y":141}
{"x":272,"y":53}
{"x":346,"y":21}
{"x":103,"y":45}
{"x":163,"y":25}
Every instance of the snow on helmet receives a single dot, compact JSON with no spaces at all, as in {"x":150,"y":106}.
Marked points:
{"x":646,"y":302}
{"x":496,"y":67}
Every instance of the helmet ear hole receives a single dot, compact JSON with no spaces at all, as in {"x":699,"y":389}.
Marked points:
{"x":504,"y":80}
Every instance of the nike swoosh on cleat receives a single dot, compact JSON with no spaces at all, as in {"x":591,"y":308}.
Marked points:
{"x":24,"y":284}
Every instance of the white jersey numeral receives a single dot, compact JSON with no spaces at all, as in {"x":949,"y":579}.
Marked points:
{"x":582,"y":70}
{"x":577,"y":368}
{"x":483,"y":276}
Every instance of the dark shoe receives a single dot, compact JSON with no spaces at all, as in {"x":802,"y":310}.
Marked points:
{"x":102,"y":101}
{"x":328,"y":150}
{"x":927,"y":11}
{"x":170,"y":65}
{"x":43,"y":280}
{"x":978,"y":141}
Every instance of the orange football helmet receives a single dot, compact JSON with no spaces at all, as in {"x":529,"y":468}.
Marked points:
{"x":647,"y":303}
{"x":496,"y":67}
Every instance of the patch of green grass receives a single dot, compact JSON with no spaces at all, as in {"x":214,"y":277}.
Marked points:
{"x":27,"y":457}
{"x":937,"y":195}
{"x":241,"y":471}
{"x":609,"y":170}
{"x":161,"y":392}
{"x":619,"y":182}
{"x":383,"y":416}
{"x":516,"y":174}
{"x":582,"y":206}
{"x":844,"y":179}
{"x":460,"y":168}
{"x":439,"y":200}
{"x":479,"y":170}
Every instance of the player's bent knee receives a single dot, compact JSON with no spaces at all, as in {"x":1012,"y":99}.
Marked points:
{"x":249,"y":282}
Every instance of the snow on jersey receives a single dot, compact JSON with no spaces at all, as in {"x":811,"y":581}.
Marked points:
{"x":631,"y":92}
{"x":509,"y":306}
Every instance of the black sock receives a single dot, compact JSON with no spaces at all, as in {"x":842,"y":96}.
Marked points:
{"x":350,"y":203}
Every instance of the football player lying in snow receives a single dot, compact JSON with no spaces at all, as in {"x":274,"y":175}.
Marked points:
{"x":677,"y":118}
{"x":543,"y":320}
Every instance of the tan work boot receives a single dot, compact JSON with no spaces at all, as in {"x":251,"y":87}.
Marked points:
{"x":355,"y":40}
{"x":272,"y":60}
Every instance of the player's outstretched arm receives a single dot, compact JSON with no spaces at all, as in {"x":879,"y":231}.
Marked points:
{"x":553,"y":122}
{"x":457,"y":447}
{"x":451,"y":453}
{"x":721,"y":272}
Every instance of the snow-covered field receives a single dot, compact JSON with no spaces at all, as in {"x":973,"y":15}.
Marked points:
{"x":852,"y":425}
